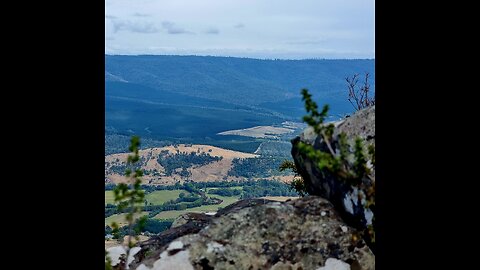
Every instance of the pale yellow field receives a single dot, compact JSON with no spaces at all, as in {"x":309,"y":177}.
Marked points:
{"x":283,"y":178}
{"x":154,"y":152}
{"x":215,"y":171}
{"x":113,"y":243}
{"x":120,"y":218}
{"x":279,"y":198}
{"x":259,"y":132}
{"x":216,"y":151}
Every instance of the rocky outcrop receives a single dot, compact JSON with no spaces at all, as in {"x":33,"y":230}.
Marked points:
{"x":198,"y":219}
{"x":306,"y":233}
{"x":344,"y":198}
{"x":189,"y":223}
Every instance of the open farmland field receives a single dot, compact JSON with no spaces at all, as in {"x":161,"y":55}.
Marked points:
{"x":202,"y":209}
{"x":157,"y":197}
{"x":270,"y":132}
{"x":161,"y":196}
{"x":279,"y":198}
{"x":214,"y":170}
{"x":120,"y":218}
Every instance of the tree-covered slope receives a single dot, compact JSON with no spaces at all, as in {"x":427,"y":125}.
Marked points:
{"x":236,"y":80}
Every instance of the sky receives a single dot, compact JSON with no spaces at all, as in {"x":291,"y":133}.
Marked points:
{"x":266,"y":29}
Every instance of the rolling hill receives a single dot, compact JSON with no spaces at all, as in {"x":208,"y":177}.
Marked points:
{"x":191,"y":99}
{"x":236,"y":80}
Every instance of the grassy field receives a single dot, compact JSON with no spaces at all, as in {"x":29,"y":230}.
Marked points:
{"x":210,"y":188}
{"x":120,"y":218}
{"x":156,"y":198}
{"x":109,"y":197}
{"x":226,"y":200}
{"x":200,"y":209}
{"x":160,"y":196}
{"x":279,"y":198}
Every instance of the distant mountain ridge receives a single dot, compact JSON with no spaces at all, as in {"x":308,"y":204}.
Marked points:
{"x":193,"y":98}
{"x":236,"y":80}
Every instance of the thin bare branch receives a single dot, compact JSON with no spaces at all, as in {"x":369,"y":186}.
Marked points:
{"x":358,"y":96}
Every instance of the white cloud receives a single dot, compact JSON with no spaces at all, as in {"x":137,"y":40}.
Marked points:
{"x":174,"y":29}
{"x":134,"y":26}
{"x":239,"y":25}
{"x":212,"y":30}
{"x":252,"y":28}
{"x":137,"y":14}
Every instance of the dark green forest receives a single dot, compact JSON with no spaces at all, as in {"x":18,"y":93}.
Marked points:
{"x":260,"y":167}
{"x":172,"y":162}
{"x":189,"y":99}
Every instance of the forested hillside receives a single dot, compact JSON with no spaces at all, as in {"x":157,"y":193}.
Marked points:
{"x":190,"y":99}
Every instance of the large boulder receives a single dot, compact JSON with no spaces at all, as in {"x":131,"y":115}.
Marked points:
{"x":345,"y":199}
{"x":306,"y":233}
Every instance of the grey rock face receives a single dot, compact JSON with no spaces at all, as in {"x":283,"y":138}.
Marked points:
{"x":272,"y":235}
{"x":198,"y":218}
{"x":344,"y":198}
{"x":361,"y":124}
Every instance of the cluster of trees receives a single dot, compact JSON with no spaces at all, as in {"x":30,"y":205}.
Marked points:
{"x":262,"y":188}
{"x":152,"y":188}
{"x":117,"y":143}
{"x":227,"y":192}
{"x":172,"y":205}
{"x":149,"y":188}
{"x":150,"y":225}
{"x":110,"y":186}
{"x":276,"y":148}
{"x":250,"y":188}
{"x":183,"y":160}
{"x":156,"y":226}
{"x":204,"y":185}
{"x":191,"y":187}
{"x":118,"y":168}
{"x":260,"y":167}
{"x":110,"y":210}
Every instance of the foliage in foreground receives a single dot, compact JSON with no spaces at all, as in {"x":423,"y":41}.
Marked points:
{"x":128,"y":196}
{"x":351,"y":164}
{"x":297,"y":183}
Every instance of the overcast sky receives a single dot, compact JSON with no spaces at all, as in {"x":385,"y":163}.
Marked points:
{"x":285,"y":29}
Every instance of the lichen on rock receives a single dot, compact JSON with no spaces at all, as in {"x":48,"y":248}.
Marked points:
{"x":274,"y":235}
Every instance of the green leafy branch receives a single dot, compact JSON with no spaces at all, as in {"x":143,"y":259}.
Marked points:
{"x":129,"y":196}
{"x":350,"y":163}
{"x":297,"y":183}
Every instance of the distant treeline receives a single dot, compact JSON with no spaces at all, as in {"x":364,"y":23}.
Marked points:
{"x":117,"y":143}
{"x":180,"y":204}
{"x":194,"y":187}
{"x":260,"y":167}
{"x":262,"y":188}
{"x":227,"y":192}
{"x":153,"y":226}
{"x":250,"y":189}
